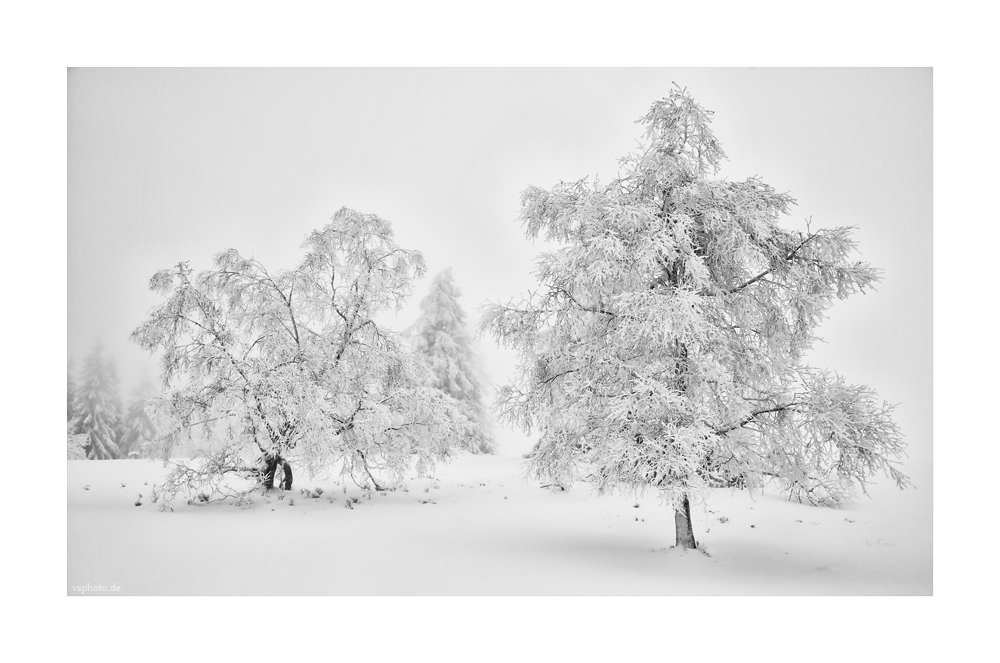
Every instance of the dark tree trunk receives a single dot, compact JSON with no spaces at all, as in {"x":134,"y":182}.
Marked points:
{"x":268,"y":471}
{"x":682,"y":525}
{"x":364,"y":463}
{"x":673,"y":275}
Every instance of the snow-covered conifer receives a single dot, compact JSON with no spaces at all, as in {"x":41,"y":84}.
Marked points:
{"x":98,"y":406}
{"x":291,"y":365}
{"x":441,"y":337}
{"x":139,"y":429}
{"x":70,"y":392}
{"x":76,"y":443}
{"x":664,"y":346}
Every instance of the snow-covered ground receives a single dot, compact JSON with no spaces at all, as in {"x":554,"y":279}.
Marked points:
{"x":480,"y":527}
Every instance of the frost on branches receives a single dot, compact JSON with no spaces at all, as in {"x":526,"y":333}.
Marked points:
{"x":663,"y":348}
{"x":291,"y":365}
{"x":441,"y":337}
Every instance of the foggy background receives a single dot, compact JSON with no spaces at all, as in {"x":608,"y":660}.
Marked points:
{"x":167,"y":165}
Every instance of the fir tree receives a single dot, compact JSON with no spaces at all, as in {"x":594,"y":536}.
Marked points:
{"x":441,"y":337}
{"x":76,"y":443}
{"x":98,"y":406}
{"x":70,"y":392}
{"x":664,"y":349}
{"x":139,"y":429}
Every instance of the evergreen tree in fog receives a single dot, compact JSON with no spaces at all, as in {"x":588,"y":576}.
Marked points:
{"x":441,"y":337}
{"x":139,"y":429}
{"x":98,"y":406}
{"x":76,"y":443}
{"x":70,"y":392}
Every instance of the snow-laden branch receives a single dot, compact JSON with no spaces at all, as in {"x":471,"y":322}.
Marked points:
{"x":293,"y":365}
{"x":663,"y":345}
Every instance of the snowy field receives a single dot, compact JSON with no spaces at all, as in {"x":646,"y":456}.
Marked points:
{"x":480,"y":527}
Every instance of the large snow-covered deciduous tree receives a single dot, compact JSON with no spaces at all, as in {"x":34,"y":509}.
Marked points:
{"x":292,"y":365}
{"x":98,"y":406}
{"x":440,"y":335}
{"x":664,"y":348}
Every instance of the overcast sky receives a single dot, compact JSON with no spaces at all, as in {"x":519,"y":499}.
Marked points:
{"x":169,"y":165}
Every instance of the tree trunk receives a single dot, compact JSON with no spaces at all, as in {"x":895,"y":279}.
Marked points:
{"x":682,"y":525}
{"x":673,"y":274}
{"x":270,"y":470}
{"x":267,"y":472}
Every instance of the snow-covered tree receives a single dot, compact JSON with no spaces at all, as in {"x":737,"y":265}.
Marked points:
{"x":441,"y":337}
{"x":664,"y":347}
{"x":76,"y":443}
{"x":291,"y":365}
{"x":98,"y":406}
{"x":139,"y":428}
{"x":70,"y":392}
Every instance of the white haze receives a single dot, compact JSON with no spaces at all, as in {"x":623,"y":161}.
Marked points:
{"x":168,"y":165}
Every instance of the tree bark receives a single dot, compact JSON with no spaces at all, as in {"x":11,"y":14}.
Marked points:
{"x":673,"y":274}
{"x":682,"y":525}
{"x":268,"y":471}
